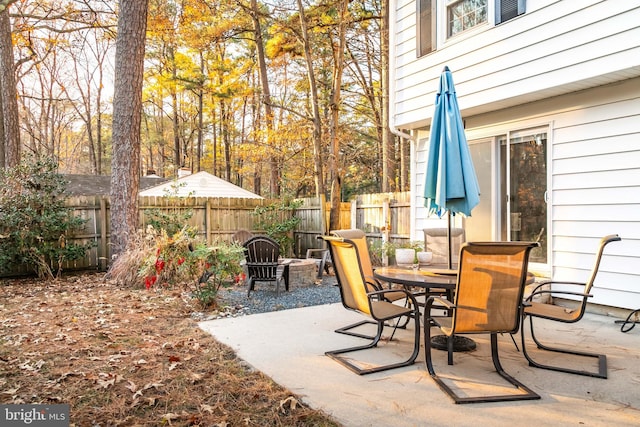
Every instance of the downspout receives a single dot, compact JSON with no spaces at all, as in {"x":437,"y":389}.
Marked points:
{"x":392,"y":114}
{"x":392,"y":75}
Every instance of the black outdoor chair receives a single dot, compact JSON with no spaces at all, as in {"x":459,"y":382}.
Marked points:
{"x":262,"y":254}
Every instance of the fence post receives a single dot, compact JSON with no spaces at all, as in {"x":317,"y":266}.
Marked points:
{"x":207,"y":221}
{"x":103,"y":254}
{"x":354,"y":214}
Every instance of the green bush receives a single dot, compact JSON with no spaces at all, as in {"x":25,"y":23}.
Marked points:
{"x":171,"y":220}
{"x":278,"y":222}
{"x":34,"y":221}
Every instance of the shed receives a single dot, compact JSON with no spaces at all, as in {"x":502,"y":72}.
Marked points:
{"x":200,"y":184}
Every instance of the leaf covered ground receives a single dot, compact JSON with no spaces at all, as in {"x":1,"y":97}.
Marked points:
{"x":129,"y":357}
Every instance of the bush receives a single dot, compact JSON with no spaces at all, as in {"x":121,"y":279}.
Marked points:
{"x":278,"y":222}
{"x":34,"y":221}
{"x":156,"y":259}
{"x":171,"y":220}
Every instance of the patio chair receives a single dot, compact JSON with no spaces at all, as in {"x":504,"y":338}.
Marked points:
{"x":241,"y":236}
{"x":359,"y":238}
{"x":488,"y":299}
{"x":558,"y":313}
{"x":356,"y":296}
{"x":435,"y":241}
{"x":261,"y":254}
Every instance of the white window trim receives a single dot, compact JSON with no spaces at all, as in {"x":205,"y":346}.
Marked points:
{"x":443,"y":39}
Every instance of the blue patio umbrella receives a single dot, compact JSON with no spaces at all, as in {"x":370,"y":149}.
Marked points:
{"x":451,"y":185}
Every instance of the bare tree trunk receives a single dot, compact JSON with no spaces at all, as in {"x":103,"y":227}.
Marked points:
{"x":177,"y":155}
{"x":1,"y":132}
{"x":334,"y":165}
{"x":274,"y":181}
{"x":8,"y":93}
{"x":318,"y":172}
{"x":200,"y":116}
{"x":127,"y":109}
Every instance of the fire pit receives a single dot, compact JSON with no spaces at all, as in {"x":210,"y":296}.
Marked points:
{"x":302,"y":272}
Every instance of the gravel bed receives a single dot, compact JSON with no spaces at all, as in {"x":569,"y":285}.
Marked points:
{"x":234,"y":302}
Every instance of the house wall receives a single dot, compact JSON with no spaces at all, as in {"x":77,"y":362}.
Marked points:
{"x":573,"y":66}
{"x":594,"y":182}
{"x":556,"y":47}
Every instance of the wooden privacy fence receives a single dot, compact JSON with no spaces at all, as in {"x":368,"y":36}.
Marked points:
{"x":219,"y":218}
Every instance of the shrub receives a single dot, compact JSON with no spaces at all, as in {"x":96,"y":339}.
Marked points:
{"x":173,"y":219}
{"x":34,"y":222}
{"x":278,"y":222}
{"x":156,"y":259}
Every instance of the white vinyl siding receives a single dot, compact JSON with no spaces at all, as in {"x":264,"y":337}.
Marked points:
{"x":594,"y":182}
{"x":556,"y":47}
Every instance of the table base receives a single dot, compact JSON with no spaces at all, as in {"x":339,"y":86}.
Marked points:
{"x":459,"y":343}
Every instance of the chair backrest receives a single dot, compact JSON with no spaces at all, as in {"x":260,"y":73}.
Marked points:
{"x":351,"y":280}
{"x":261,"y":254}
{"x":360,"y":240}
{"x":491,"y":281}
{"x":435,"y":241}
{"x":594,"y":272}
{"x":241,"y":236}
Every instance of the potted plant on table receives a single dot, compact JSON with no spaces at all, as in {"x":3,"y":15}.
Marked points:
{"x":405,"y":253}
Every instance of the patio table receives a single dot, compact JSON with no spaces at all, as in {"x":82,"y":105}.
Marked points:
{"x":430,"y":278}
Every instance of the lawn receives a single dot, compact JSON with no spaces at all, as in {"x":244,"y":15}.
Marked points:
{"x":129,"y":357}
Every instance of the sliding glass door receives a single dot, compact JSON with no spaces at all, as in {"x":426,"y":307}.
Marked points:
{"x":512,"y":173}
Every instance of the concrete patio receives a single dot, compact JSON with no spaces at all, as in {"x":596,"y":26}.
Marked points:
{"x":289,"y":347}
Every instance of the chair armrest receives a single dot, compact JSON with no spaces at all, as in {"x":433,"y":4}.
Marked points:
{"x":550,"y":282}
{"x":448,"y":305}
{"x":382,"y":292}
{"x":375,"y":283}
{"x":551,"y":292}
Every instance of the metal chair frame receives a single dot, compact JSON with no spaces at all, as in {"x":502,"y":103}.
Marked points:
{"x":488,"y":299}
{"x":355,"y":296}
{"x":561,"y":314}
{"x":358,"y":237}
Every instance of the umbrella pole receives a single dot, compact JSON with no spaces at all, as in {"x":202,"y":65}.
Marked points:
{"x":449,"y":240}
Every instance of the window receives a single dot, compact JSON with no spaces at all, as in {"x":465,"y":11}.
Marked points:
{"x":465,"y":14}
{"x":456,"y":16}
{"x":426,"y":26}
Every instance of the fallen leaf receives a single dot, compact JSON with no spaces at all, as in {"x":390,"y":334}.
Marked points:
{"x":11,"y":391}
{"x":292,"y":403}
{"x":206,"y":408}
{"x":170,"y":416}
{"x":131,"y":386}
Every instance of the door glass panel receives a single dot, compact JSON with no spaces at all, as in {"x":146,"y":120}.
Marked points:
{"x":478,"y":225}
{"x":523,"y":185}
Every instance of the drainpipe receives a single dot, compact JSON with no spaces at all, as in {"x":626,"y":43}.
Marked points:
{"x":392,"y":76}
{"x":392,"y":117}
